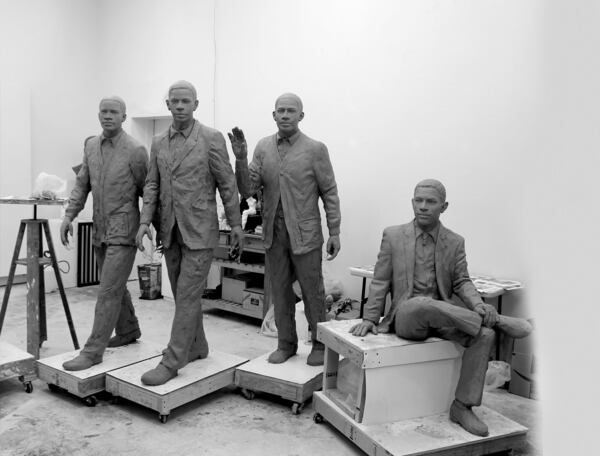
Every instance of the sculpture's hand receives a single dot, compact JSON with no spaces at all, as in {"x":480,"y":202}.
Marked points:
{"x":363,"y":328}
{"x":238,"y":143}
{"x":139,"y":237}
{"x":237,"y":243}
{"x":333,"y":247}
{"x":488,"y":314}
{"x":66,"y":228}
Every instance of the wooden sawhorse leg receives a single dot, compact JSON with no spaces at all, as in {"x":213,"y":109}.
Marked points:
{"x":36,"y":298}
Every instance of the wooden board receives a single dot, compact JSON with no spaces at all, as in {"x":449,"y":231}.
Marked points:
{"x":195,"y":380}
{"x":293,"y":380}
{"x":379,"y":350}
{"x":431,"y":435}
{"x":37,"y":201}
{"x":15,"y":362}
{"x":90,"y":381}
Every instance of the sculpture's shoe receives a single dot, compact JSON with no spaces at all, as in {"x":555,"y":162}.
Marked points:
{"x":199,"y":355}
{"x":280,"y":356}
{"x":463,"y":415}
{"x":514,"y":327}
{"x":119,"y":341}
{"x":160,"y":375}
{"x":316,"y":356}
{"x":81,"y":362}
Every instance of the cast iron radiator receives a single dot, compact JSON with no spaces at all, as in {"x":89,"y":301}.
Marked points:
{"x":87,"y":270}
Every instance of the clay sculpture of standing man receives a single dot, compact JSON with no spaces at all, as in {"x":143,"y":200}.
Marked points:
{"x":188,"y":162}
{"x":294,"y":171}
{"x":424,"y":266}
{"x":114,"y":169}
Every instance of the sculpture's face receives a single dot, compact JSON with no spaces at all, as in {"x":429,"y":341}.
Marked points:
{"x":111,"y":116}
{"x":182,"y":105}
{"x":287,"y":115}
{"x":428,"y":206}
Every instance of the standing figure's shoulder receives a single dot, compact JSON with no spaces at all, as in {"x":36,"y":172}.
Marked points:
{"x":311,"y":144}
{"x":131,"y":142}
{"x":92,"y":143}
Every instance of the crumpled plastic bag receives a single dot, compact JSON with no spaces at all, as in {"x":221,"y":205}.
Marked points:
{"x":332,"y":285}
{"x":497,"y":374}
{"x":268,"y":327}
{"x":49,"y":186}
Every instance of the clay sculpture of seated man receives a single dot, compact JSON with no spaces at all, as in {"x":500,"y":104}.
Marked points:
{"x":423,"y":264}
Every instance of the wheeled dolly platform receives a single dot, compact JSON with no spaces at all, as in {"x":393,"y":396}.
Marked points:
{"x":86,"y":383}
{"x":195,"y":380}
{"x":430,"y":435}
{"x":293,"y":380}
{"x":15,"y":362}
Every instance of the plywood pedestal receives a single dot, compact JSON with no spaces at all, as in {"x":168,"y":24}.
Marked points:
{"x":86,"y":383}
{"x":293,"y":380}
{"x":430,"y":435}
{"x":195,"y":380}
{"x":17,"y":363}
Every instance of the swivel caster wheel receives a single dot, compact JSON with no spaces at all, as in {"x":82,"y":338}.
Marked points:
{"x":318,"y":418}
{"x":297,"y":408}
{"x":163,"y":418}
{"x":248,"y":394}
{"x":54,"y":388}
{"x":28,"y":387}
{"x":90,"y":401}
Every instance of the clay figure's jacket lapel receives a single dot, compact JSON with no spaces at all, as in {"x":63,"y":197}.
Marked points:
{"x":188,"y":147}
{"x":442,"y":263}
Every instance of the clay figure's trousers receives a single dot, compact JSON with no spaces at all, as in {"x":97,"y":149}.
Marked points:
{"x":283,"y":268}
{"x":421,"y":317}
{"x":114,"y":309}
{"x":187,"y":271}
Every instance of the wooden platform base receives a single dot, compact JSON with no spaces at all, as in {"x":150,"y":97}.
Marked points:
{"x":431,"y":435}
{"x":86,"y":383}
{"x":15,"y":362}
{"x":293,"y":380}
{"x":195,"y":380}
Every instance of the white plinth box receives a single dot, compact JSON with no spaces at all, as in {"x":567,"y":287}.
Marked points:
{"x":385,"y":378}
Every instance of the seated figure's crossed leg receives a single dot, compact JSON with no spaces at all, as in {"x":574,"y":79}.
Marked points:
{"x":421,"y":317}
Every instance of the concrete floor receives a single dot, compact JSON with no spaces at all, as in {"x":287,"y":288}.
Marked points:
{"x":222,"y":423}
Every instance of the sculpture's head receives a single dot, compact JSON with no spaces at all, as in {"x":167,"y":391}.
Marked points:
{"x":111,"y":114}
{"x":429,"y":202}
{"x":288,"y":113}
{"x":182,"y":101}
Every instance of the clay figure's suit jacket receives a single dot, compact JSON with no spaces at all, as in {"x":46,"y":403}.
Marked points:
{"x":299,"y":179}
{"x":182,"y":188}
{"x":116,"y":181}
{"x":394,"y":272}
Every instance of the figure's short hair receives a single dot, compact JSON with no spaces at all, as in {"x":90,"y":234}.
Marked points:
{"x":435,"y":184}
{"x":116,"y":99}
{"x":183,"y":85}
{"x":295,"y":97}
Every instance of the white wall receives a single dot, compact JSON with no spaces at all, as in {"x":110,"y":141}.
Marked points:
{"x":399,"y":91}
{"x":49,"y":80}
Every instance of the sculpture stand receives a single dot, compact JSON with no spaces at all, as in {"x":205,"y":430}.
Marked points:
{"x":17,"y":363}
{"x":197,"y":379}
{"x":36,"y":260}
{"x":293,"y":380}
{"x":86,"y":383}
{"x":396,"y":398}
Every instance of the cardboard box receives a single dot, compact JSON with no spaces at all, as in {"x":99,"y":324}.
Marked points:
{"x":233,"y":286}
{"x":254,"y":299}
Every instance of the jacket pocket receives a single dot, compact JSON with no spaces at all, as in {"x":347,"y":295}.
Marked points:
{"x":118,"y":225}
{"x":310,"y":230}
